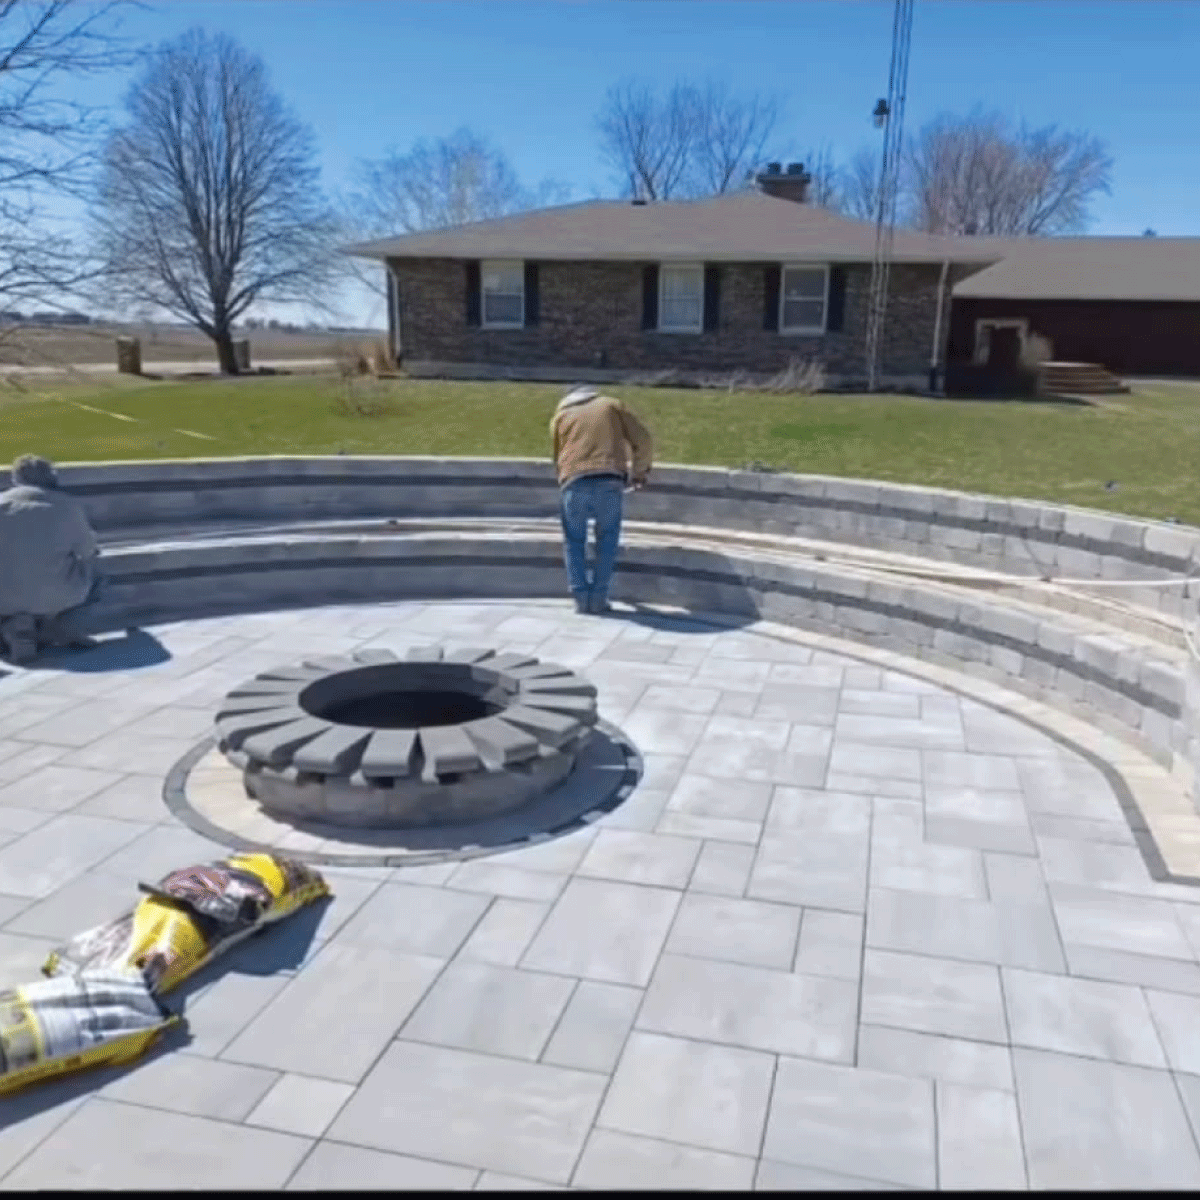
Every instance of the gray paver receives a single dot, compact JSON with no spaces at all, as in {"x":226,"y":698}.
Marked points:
{"x":505,"y":931}
{"x":473,"y":1110}
{"x":722,"y":868}
{"x":942,"y":870}
{"x":496,"y":1010}
{"x":55,"y":788}
{"x":1092,"y":1124}
{"x":130,"y":798}
{"x":831,"y":943}
{"x":979,"y":1139}
{"x":333,"y":1167}
{"x":743,"y":931}
{"x":594,"y":1026}
{"x":805,"y":810}
{"x":1090,"y":917}
{"x":39,"y":863}
{"x":928,"y":1056}
{"x":712,"y":1097}
{"x":88,"y":900}
{"x":619,"y":1161}
{"x":933,"y":995}
{"x":635,"y":857}
{"x":200,"y":1087}
{"x":302,"y":1105}
{"x":610,"y":932}
{"x":1081,"y":1016}
{"x":115,"y":1146}
{"x":773,"y":1176}
{"x":415,"y":919}
{"x":753,"y":1007}
{"x":703,"y":796}
{"x":1177,"y":1019}
{"x":852,"y":1122}
{"x":495,"y":877}
{"x":1141,"y":970}
{"x":326,"y":1023}
{"x":822,"y":870}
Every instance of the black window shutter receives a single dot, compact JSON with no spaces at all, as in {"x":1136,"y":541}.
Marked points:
{"x":771,"y":282}
{"x":650,"y":297}
{"x":474,"y":293}
{"x":835,"y":317}
{"x":712,"y":299}
{"x":533,"y":304}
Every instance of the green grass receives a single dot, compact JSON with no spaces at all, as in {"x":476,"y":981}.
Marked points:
{"x":1148,"y":442}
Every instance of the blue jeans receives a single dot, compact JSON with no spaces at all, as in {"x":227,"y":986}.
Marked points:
{"x":597,"y":498}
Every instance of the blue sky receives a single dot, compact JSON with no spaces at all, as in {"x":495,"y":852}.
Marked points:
{"x":369,"y":74}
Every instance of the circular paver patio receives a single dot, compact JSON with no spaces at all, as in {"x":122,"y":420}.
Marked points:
{"x":850,"y":929}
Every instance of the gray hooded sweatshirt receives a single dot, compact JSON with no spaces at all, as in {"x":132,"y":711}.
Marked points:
{"x":47,"y":552}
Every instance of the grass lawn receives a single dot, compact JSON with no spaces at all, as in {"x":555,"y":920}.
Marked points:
{"x":1148,"y":442}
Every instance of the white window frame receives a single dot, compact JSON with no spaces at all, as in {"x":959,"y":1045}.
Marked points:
{"x":803,"y":330}
{"x":663,"y":268}
{"x":493,"y":264}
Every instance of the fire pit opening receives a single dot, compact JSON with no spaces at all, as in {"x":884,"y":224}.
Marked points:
{"x":410,"y":710}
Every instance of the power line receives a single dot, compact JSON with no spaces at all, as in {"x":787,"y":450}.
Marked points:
{"x":890,"y":114}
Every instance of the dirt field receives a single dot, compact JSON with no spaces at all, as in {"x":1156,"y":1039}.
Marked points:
{"x":86,"y":344}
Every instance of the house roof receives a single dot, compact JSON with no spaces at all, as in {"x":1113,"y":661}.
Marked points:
{"x":1087,"y":268}
{"x":738,"y":227}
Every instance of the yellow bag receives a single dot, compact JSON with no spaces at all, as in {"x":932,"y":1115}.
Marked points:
{"x":191,"y":916}
{"x":75,"y":1022}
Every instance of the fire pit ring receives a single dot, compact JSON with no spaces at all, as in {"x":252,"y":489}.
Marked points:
{"x":434,"y":738}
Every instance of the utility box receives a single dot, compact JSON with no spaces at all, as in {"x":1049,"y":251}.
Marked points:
{"x":241,"y":354}
{"x":129,"y":356}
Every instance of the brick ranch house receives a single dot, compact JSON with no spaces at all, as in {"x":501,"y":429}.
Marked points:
{"x":746,"y":282}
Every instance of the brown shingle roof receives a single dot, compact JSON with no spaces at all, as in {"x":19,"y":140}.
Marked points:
{"x":740,"y":227}
{"x":1088,"y":268}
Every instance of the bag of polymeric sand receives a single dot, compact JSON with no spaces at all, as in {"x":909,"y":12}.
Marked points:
{"x":191,"y":916}
{"x":75,"y":1022}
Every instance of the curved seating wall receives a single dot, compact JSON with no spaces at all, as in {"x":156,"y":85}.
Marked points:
{"x":1014,"y":536}
{"x":1111,"y":680}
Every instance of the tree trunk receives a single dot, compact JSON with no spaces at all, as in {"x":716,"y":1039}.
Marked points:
{"x":226,"y":359}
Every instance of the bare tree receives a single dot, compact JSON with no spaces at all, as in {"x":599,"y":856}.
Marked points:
{"x":208,"y":200}
{"x":825,"y":186}
{"x":694,"y":140}
{"x":860,"y":185}
{"x":433,"y":185}
{"x":980,"y":174}
{"x":46,"y":140}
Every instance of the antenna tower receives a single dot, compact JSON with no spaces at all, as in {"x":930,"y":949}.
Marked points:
{"x":889,"y":114}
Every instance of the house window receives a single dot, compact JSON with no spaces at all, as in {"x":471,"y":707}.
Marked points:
{"x":503,"y":288}
{"x":681,"y":299}
{"x":802,"y":299}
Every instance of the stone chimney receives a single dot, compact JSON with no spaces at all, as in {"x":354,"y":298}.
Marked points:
{"x":791,"y":184}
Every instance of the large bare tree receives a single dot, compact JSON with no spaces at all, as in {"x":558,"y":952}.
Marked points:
{"x":47,"y":140}
{"x":982,"y":174}
{"x":693,"y":140}
{"x":432,"y":185}
{"x":208,"y":201}
{"x":859,"y":192}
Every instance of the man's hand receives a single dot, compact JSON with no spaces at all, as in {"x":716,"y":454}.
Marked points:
{"x":638,"y":483}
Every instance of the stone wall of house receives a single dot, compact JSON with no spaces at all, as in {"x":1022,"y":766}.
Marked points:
{"x":591,"y":315}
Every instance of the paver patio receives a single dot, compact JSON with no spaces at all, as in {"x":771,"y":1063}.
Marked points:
{"x":850,"y":930}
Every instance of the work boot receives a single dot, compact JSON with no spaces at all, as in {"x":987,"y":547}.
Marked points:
{"x":18,"y":639}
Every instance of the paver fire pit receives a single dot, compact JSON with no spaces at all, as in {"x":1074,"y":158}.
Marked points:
{"x":438,"y":737}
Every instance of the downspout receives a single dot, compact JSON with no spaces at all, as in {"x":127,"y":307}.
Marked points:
{"x":936,"y":356}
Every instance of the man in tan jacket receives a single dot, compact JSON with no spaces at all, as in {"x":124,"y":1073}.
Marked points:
{"x":594,"y":438}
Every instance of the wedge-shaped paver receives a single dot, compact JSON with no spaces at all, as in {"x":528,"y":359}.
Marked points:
{"x":930,"y":1056}
{"x":852,"y":1122}
{"x":495,"y":1010}
{"x":389,"y":753}
{"x":473,"y":1110}
{"x":1102,"y":1125}
{"x":752,"y":1007}
{"x":933,"y":995}
{"x":337,"y":751}
{"x":375,"y":654}
{"x":326,"y":1023}
{"x":712,"y":1097}
{"x":448,"y":751}
{"x":468,"y":654}
{"x":334,"y":1167}
{"x":276,"y":746}
{"x":743,"y":931}
{"x":499,"y":742}
{"x":556,"y":686}
{"x":550,"y":728}
{"x":126,"y":1147}
{"x":237,"y":727}
{"x":1081,"y":1016}
{"x":610,"y":932}
{"x":979,"y":1139}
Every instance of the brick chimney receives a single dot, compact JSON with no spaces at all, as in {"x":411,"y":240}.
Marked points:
{"x":790,"y":184}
